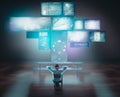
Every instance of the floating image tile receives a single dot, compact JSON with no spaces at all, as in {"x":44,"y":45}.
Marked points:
{"x":51,"y":8}
{"x":98,"y":36}
{"x":68,"y":8}
{"x":62,"y":23}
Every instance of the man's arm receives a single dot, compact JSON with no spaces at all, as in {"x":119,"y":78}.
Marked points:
{"x":64,"y":68}
{"x":50,"y":69}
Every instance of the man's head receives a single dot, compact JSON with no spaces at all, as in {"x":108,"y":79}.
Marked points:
{"x":56,"y":66}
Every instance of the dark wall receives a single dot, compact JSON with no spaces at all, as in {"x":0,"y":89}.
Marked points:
{"x":106,"y":11}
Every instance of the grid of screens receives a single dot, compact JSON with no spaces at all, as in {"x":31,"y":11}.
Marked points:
{"x":98,"y":36}
{"x":30,"y":23}
{"x":62,"y":23}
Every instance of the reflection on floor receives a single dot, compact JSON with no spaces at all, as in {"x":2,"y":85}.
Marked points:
{"x":95,"y":80}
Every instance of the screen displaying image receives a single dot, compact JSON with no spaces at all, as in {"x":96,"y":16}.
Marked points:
{"x":78,"y":36}
{"x":51,"y":8}
{"x":30,"y":23}
{"x":68,"y":8}
{"x":98,"y":36}
{"x":78,"y":24}
{"x":92,"y":24}
{"x":62,"y":23}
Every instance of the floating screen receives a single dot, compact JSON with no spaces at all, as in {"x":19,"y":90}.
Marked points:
{"x":79,"y":44}
{"x":92,"y":25}
{"x":59,"y":46}
{"x":62,"y":23}
{"x":78,"y":24}
{"x":98,"y":36}
{"x":68,"y":8}
{"x":44,"y":41}
{"x":30,"y":23}
{"x":32,"y":34}
{"x":51,"y":8}
{"x":78,"y":36}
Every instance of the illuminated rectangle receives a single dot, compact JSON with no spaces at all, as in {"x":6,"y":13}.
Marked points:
{"x":68,"y":8}
{"x":79,"y":44}
{"x":51,"y":8}
{"x":78,"y":36}
{"x":78,"y":24}
{"x":98,"y":36}
{"x":32,"y":34}
{"x":92,"y":24}
{"x":59,"y":46}
{"x":62,"y":23}
{"x":30,"y":23}
{"x":44,"y":41}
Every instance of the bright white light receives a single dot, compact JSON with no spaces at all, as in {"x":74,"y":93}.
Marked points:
{"x":77,"y":36}
{"x":30,"y":23}
{"x":78,"y":24}
{"x":59,"y":41}
{"x":92,"y":24}
{"x":43,"y":34}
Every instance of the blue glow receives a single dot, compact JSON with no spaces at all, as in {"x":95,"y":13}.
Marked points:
{"x":32,"y":34}
{"x":68,"y":8}
{"x":78,"y":24}
{"x":44,"y":41}
{"x":30,"y":23}
{"x":98,"y":36}
{"x":92,"y":24}
{"x":78,"y":36}
{"x":59,"y":46}
{"x":79,"y":44}
{"x":51,"y":8}
{"x":62,"y":23}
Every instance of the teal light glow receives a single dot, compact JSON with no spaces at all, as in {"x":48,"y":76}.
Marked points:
{"x":44,"y":41}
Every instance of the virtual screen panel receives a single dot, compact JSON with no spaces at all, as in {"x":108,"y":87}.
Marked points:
{"x":78,"y":36}
{"x":78,"y":24}
{"x":68,"y":8}
{"x":62,"y":23}
{"x":59,"y":46}
{"x":79,"y":44}
{"x":51,"y":8}
{"x":30,"y":23}
{"x":98,"y":36}
{"x":44,"y":41}
{"x":92,"y":24}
